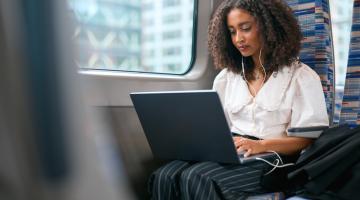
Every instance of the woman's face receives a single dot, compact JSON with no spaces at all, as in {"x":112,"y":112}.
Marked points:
{"x":244,"y":32}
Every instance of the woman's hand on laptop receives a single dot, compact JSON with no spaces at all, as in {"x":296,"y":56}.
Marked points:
{"x":248,"y":146}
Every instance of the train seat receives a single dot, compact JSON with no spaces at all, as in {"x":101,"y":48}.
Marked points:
{"x":350,"y":112}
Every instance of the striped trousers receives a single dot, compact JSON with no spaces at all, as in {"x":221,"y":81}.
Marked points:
{"x":206,"y":180}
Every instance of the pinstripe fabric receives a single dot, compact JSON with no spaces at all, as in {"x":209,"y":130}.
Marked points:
{"x":317,"y":48}
{"x":350,"y":112}
{"x":164,"y":182}
{"x":207,"y":180}
{"x":215,"y":181}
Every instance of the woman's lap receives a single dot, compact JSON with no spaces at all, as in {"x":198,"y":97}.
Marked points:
{"x":227,"y":181}
{"x":206,"y":180}
{"x":164,"y":182}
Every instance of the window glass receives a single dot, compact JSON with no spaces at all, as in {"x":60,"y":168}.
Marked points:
{"x":341,"y":16}
{"x":172,"y":35}
{"x":136,"y":35}
{"x":173,"y":18}
{"x":169,"y":3}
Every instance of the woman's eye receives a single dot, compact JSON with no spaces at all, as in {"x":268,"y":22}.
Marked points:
{"x":232,"y":32}
{"x":248,"y":28}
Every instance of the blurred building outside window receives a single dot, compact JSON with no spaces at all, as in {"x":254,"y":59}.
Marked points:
{"x":137,"y":35}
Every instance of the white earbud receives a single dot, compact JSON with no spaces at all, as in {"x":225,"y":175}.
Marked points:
{"x":262,"y":67}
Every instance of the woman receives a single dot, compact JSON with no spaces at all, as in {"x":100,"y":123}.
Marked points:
{"x":264,"y":90}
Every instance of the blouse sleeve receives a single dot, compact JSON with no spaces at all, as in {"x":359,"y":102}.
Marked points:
{"x":309,"y":107}
{"x":219,"y":86}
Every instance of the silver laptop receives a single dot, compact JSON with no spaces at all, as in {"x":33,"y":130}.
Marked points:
{"x":187,"y":125}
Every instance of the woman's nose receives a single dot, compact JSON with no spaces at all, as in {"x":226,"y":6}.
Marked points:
{"x":239,"y":38}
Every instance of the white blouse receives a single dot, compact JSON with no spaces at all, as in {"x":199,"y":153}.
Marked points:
{"x":291,"y":97}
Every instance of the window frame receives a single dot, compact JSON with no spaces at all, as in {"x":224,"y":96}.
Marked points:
{"x":112,"y":88}
{"x":119,"y":72}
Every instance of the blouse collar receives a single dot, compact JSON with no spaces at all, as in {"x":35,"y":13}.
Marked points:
{"x":272,"y":92}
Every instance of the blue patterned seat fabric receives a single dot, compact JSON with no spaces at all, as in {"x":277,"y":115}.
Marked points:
{"x":350,"y":112}
{"x":317,"y":49}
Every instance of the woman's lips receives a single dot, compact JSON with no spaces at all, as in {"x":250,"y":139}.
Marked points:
{"x":243,"y":48}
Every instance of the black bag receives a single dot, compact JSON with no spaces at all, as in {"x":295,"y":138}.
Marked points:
{"x":329,"y":168}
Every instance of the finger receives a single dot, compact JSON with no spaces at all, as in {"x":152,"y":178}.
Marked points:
{"x":240,"y":149}
{"x":248,"y":153}
{"x":236,"y":140}
{"x":237,"y":144}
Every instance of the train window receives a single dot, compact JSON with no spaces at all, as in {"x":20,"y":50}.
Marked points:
{"x":154,"y":36}
{"x":168,"y":3}
{"x":341,"y":16}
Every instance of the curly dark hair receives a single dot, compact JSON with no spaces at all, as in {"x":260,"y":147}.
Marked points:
{"x":281,"y":43}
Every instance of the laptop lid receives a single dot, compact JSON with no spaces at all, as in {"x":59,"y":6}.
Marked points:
{"x":185,"y":125}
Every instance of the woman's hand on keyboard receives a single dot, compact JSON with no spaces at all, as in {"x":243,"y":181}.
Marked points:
{"x":248,"y":146}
